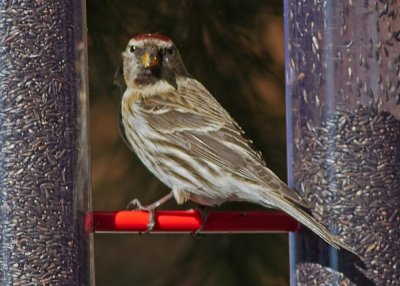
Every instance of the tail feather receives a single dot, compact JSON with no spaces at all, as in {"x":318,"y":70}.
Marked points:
{"x":304,"y":218}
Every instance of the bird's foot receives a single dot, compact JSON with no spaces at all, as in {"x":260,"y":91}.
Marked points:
{"x":203,"y":210}
{"x":135,"y":204}
{"x":151,"y":209}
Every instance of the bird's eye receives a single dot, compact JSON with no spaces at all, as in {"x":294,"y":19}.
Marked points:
{"x":169,"y":51}
{"x":133,"y":48}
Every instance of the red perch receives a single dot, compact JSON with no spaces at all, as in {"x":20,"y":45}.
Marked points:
{"x":190,"y":221}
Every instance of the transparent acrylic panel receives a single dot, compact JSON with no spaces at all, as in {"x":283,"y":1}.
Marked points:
{"x":343,"y":107}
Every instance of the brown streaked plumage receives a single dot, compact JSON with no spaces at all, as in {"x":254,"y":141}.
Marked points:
{"x":188,"y":140}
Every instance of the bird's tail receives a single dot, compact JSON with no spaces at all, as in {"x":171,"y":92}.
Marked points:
{"x":295,"y":211}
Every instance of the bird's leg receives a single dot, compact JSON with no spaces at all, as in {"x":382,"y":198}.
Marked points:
{"x":136,"y":204}
{"x":203,"y":210}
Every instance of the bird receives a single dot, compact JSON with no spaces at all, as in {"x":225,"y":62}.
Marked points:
{"x":186,"y":138}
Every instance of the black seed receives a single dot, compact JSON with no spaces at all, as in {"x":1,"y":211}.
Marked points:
{"x":362,"y":207}
{"x":42,"y":238}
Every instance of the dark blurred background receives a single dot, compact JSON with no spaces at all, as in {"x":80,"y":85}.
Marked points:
{"x":235,"y":48}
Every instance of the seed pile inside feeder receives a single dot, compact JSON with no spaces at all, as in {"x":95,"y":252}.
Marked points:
{"x":349,"y":169}
{"x":42,"y":234}
{"x":313,"y":274}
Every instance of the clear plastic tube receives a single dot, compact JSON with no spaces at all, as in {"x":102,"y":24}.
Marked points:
{"x":343,"y":119}
{"x":44,"y":158}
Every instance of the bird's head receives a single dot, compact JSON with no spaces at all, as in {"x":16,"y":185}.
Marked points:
{"x":151,"y":58}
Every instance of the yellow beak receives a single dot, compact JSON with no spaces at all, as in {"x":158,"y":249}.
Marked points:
{"x":149,"y":62}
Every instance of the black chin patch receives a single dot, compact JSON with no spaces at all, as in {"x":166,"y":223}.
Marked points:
{"x":151,"y":76}
{"x":148,"y":76}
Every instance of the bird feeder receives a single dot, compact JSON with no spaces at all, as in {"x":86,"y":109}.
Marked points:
{"x":44,"y":163}
{"x":343,"y":118}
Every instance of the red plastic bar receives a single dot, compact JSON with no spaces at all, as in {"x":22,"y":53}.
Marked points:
{"x":190,"y":221}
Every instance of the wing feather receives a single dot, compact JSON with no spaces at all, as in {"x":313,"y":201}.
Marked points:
{"x":209,"y":134}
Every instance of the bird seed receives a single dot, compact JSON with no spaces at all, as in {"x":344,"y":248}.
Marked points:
{"x":42,"y":239}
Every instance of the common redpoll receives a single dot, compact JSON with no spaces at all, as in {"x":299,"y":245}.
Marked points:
{"x":187,"y":139}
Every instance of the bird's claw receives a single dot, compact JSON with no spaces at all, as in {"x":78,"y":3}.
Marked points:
{"x":152,"y":221}
{"x":135,"y":204}
{"x":203,"y":215}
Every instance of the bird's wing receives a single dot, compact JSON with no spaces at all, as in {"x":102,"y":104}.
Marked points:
{"x":193,"y":117}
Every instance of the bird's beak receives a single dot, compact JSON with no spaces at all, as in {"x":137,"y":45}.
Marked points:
{"x":149,"y":61}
